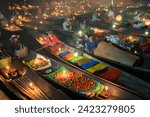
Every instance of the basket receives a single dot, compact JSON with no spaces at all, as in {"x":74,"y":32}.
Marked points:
{"x":22,"y":52}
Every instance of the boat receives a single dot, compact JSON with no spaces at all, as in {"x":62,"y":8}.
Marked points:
{"x":94,"y":67}
{"x":3,"y":96}
{"x":126,"y":44}
{"x":73,"y":79}
{"x":66,"y":76}
{"x":12,"y":28}
{"x":130,"y":61}
{"x":119,"y":29}
{"x":23,"y":82}
{"x":8,"y":29}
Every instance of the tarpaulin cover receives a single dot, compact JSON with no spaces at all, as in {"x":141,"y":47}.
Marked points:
{"x":68,"y":56}
{"x":83,"y":61}
{"x":111,"y":74}
{"x":97,"y":67}
{"x":89,"y":64}
{"x":75,"y":59}
{"x":64,"y":54}
{"x":110,"y":52}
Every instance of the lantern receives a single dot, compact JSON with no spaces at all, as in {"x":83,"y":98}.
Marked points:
{"x":118,"y":18}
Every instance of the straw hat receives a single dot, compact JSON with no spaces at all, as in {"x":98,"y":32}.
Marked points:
{"x":14,"y":37}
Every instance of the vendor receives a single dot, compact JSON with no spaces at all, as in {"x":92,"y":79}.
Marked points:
{"x":111,"y":15}
{"x":15,"y":40}
{"x":136,"y":18}
{"x":95,"y":17}
{"x":83,"y":25}
{"x":67,"y":26}
{"x":11,"y":44}
{"x":73,"y":16}
{"x":137,"y":23}
{"x":90,"y":44}
{"x":53,"y":40}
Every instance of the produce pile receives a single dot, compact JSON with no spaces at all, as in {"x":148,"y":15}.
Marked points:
{"x":37,"y":63}
{"x":73,"y":80}
{"x":77,"y":82}
{"x":123,"y":42}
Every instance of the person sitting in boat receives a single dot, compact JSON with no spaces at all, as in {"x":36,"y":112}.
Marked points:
{"x":111,"y":15}
{"x":137,"y":23}
{"x":73,"y":16}
{"x":83,"y":25}
{"x":136,"y":18}
{"x":53,"y":40}
{"x":95,"y":17}
{"x":15,"y":40}
{"x":67,"y":26}
{"x":90,"y":44}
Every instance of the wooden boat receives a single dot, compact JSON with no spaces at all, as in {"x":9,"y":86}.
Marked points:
{"x":95,"y":67}
{"x":73,"y":79}
{"x":3,"y":96}
{"x":66,"y":76}
{"x":23,"y":82}
{"x":136,"y":64}
{"x":24,"y":18}
{"x":12,"y":28}
{"x":127,"y":46}
{"x":123,"y":30}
